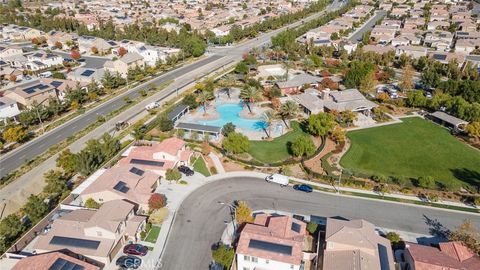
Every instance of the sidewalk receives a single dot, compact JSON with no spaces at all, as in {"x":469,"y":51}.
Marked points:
{"x":218,"y":164}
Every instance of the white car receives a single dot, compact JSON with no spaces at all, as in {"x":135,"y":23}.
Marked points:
{"x":152,"y":105}
{"x":278,"y":179}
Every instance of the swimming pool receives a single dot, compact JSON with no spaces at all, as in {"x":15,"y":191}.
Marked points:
{"x":231,"y":113}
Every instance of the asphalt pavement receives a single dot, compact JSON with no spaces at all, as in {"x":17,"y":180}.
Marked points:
{"x":200,"y":220}
{"x":358,"y":35}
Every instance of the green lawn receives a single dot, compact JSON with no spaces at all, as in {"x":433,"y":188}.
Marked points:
{"x":412,"y":149}
{"x":277,"y":149}
{"x":200,"y":166}
{"x":153,"y":234}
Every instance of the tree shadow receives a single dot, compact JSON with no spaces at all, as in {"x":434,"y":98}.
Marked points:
{"x":436,"y":228}
{"x":468,"y":176}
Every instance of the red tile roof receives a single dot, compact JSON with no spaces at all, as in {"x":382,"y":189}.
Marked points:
{"x":46,"y":260}
{"x":451,"y":255}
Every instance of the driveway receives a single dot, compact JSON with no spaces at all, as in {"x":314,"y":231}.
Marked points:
{"x":200,"y":220}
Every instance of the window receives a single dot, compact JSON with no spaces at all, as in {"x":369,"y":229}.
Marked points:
{"x":100,"y":199}
{"x":255,"y":259}
{"x":246,"y":258}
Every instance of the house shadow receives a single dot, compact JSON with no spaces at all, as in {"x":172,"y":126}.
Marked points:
{"x":436,"y":228}
{"x":468,"y":176}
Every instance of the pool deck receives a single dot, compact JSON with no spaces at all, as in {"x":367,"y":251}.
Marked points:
{"x":199,"y":115}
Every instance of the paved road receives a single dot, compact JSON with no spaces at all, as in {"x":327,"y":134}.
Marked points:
{"x":200,"y":220}
{"x":90,"y":61}
{"x":358,"y":35}
{"x":17,"y":157}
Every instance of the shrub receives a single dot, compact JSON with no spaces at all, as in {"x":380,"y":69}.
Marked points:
{"x":213,"y":170}
{"x":426,"y":182}
{"x":157,"y":201}
{"x":379,"y":178}
{"x":224,"y":256}
{"x":312,"y":227}
{"x":92,"y":204}
{"x":394,"y":237}
{"x":173,"y":175}
{"x":183,"y":182}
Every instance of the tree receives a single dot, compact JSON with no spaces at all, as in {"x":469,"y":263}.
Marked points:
{"x":288,"y":110}
{"x":303,"y":146}
{"x":236,"y":143}
{"x":348,"y":117}
{"x":243,"y":213}
{"x":338,"y":134}
{"x":165,"y":124}
{"x":204,"y":98}
{"x":94,"y":50}
{"x":320,"y":124}
{"x":56,"y":182}
{"x":430,"y":78}
{"x":92,"y":204}
{"x":58,"y":75}
{"x":35,"y":208}
{"x":58,"y":45}
{"x":312,"y":227}
{"x":15,"y":134}
{"x":394,"y":238}
{"x":122,"y":51}
{"x":157,"y":201}
{"x":10,"y":229}
{"x":75,"y":55}
{"x":223,"y":255}
{"x":241,"y":68}
{"x":368,"y":83}
{"x":416,"y":99}
{"x":268,"y":118}
{"x":468,"y":234}
{"x":66,"y":161}
{"x":357,"y":72}
{"x":473,"y":130}
{"x":228,"y":128}
{"x":250,"y":94}
{"x":190,"y":100}
{"x":426,"y":182}
{"x":173,"y":175}
{"x":406,"y":83}
{"x":12,"y":78}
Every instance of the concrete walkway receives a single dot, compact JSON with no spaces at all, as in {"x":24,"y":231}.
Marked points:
{"x":217,"y":163}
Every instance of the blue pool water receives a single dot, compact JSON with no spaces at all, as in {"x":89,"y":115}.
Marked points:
{"x":231,"y":113}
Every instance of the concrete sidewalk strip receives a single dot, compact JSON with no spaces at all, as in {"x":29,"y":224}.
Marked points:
{"x":218,"y":164}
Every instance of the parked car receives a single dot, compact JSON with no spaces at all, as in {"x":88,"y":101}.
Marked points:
{"x":45,"y":74}
{"x":185,"y":170}
{"x":303,"y":187}
{"x":277,"y":178}
{"x":130,"y":262}
{"x":28,"y":78}
{"x":135,"y":249}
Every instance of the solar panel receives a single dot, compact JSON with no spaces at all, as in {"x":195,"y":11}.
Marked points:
{"x":121,"y":186}
{"x":87,"y":73}
{"x":271,"y":247}
{"x":37,"y":55}
{"x":56,"y":83}
{"x":295,"y":227}
{"x":147,"y":162}
{"x":439,"y":57}
{"x":137,"y":171}
{"x":74,"y":242}
{"x":29,"y":90}
{"x":62,"y":264}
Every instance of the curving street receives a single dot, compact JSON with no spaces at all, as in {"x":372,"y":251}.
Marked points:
{"x":200,"y":220}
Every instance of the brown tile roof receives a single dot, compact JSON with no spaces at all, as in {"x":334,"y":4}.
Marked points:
{"x":453,"y":255}
{"x":46,"y":260}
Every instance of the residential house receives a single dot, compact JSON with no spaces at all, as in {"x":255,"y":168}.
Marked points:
{"x":271,"y":243}
{"x":346,"y":100}
{"x":449,"y":255}
{"x":43,"y":59}
{"x":64,"y":86}
{"x":378,"y":49}
{"x":16,"y":61}
{"x":309,"y":101}
{"x":129,"y":61}
{"x":383,"y":34}
{"x":466,"y":46}
{"x":8,"y":109}
{"x":438,"y":25}
{"x":298,"y":82}
{"x":86,"y":75}
{"x":87,"y":43}
{"x":467,"y":35}
{"x":157,"y":157}
{"x":32,"y":93}
{"x":152,"y":54}
{"x":355,"y":245}
{"x":62,"y":37}
{"x":446,"y":57}
{"x":414,"y":52}
{"x":441,"y":40}
{"x":124,"y":182}
{"x":55,"y":260}
{"x":96,"y":234}
{"x":6,"y":51}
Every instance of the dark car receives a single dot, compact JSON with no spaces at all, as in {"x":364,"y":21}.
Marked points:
{"x":135,"y":249}
{"x":186,"y":170}
{"x":130,"y":262}
{"x":303,"y":187}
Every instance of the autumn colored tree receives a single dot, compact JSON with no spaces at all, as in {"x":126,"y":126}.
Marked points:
{"x":406,"y":82}
{"x":12,"y":78}
{"x":75,"y":54}
{"x":35,"y":41}
{"x":58,"y":45}
{"x":94,"y":50}
{"x":243,"y":213}
{"x":122,"y":51}
{"x":329,"y":83}
{"x":157,"y":201}
{"x":15,"y":134}
{"x":468,"y":234}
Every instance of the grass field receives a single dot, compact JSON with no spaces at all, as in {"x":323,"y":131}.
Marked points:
{"x":412,"y":149}
{"x":152,"y":234}
{"x":277,"y":149}
{"x":200,"y":166}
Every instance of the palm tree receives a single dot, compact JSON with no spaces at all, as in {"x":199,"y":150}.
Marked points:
{"x":230,"y":79}
{"x":288,"y":110}
{"x":287,"y":65}
{"x":308,"y":64}
{"x":250,"y":95}
{"x":268,"y":118}
{"x":204,"y":98}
